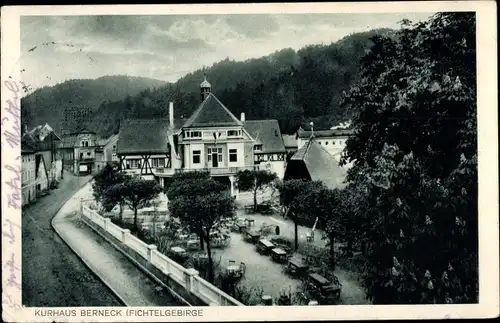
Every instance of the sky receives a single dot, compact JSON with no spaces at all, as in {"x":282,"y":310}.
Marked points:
{"x":166,"y":47}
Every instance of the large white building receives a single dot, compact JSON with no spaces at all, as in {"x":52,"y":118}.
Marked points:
{"x":211,"y":139}
{"x":332,"y":140}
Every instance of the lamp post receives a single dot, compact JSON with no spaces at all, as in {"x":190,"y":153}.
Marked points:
{"x":312,"y":129}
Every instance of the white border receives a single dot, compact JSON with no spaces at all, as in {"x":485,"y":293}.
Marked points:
{"x":487,"y":145}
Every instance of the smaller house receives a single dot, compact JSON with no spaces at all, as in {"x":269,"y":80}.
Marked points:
{"x":105,"y":152}
{"x":28,"y":173}
{"x":314,"y":163}
{"x":48,"y":142}
{"x":78,"y":150}
{"x":268,"y":148}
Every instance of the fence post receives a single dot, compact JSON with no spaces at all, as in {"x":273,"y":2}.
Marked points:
{"x":81,"y":205}
{"x":107,"y":221}
{"x":151,"y":249}
{"x":188,"y":276}
{"x":125,"y":233}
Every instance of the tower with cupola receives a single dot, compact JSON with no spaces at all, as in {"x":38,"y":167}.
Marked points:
{"x":205,"y":88}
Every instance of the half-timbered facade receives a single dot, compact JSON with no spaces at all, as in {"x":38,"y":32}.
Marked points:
{"x":211,"y":139}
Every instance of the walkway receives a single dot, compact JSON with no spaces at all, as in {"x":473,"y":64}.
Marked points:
{"x":127,"y":281}
{"x":52,"y":275}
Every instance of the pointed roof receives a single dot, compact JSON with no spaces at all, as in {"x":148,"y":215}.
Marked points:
{"x":290,"y":141}
{"x":138,"y":136}
{"x":267,"y":133}
{"x":205,"y":83}
{"x":320,"y":164}
{"x":212,"y":113}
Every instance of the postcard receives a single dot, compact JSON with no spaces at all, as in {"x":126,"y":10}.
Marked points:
{"x":249,"y":162}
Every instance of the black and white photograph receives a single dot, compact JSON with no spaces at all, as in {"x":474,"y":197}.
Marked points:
{"x":178,"y":161}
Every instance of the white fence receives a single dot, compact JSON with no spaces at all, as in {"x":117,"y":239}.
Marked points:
{"x":186,"y":277}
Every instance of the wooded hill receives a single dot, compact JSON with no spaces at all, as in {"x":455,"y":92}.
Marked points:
{"x":295,"y":87}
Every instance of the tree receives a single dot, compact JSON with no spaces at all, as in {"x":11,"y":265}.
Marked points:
{"x":105,"y":178}
{"x":202,"y":213}
{"x":293,"y":192}
{"x":191,"y":185}
{"x":112,"y":196}
{"x":326,"y":205}
{"x":255,"y":180}
{"x":137,"y":192}
{"x":415,"y":152}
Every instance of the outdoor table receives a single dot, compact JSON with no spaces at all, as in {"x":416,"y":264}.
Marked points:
{"x":251,"y":222}
{"x":252,"y":236}
{"x":297,"y":267}
{"x":265,"y":246}
{"x":278,"y":254}
{"x":249,"y":208}
{"x":178,"y":250}
{"x":193,"y":244}
{"x":241,"y":227}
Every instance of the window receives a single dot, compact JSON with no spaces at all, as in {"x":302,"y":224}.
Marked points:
{"x":158,"y":162}
{"x":114,"y":147}
{"x":233,"y":155}
{"x":319,"y":142}
{"x":233,"y":133}
{"x":195,"y":134}
{"x":88,"y":154}
{"x":333,"y":142}
{"x":257,"y":148}
{"x":134,"y":163}
{"x":326,"y":142}
{"x":196,"y":156}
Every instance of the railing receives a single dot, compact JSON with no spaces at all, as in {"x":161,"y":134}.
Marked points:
{"x":217,"y":170}
{"x":187,"y":278}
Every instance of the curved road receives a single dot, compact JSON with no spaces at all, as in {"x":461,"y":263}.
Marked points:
{"x":52,"y":275}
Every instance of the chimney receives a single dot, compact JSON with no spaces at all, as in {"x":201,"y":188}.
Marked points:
{"x":171,"y":113}
{"x":242,"y":117}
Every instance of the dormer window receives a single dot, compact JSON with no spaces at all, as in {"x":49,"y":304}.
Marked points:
{"x":257,"y":148}
{"x":193,"y":134}
{"x":234,"y":133}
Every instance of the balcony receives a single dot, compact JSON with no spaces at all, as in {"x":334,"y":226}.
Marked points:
{"x":215,"y":171}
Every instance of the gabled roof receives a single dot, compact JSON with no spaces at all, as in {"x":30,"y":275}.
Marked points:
{"x":44,"y":131}
{"x":110,"y":139}
{"x":290,"y":141}
{"x":320,"y":164}
{"x":39,"y":161}
{"x":305,"y":134}
{"x":26,"y":148}
{"x":31,"y":141}
{"x":267,"y":133}
{"x":139,"y":136}
{"x":212,"y":113}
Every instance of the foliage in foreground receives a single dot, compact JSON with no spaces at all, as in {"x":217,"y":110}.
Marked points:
{"x":415,"y":160}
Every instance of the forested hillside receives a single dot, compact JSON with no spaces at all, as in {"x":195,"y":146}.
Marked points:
{"x":294,"y":87}
{"x":64,"y":105}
